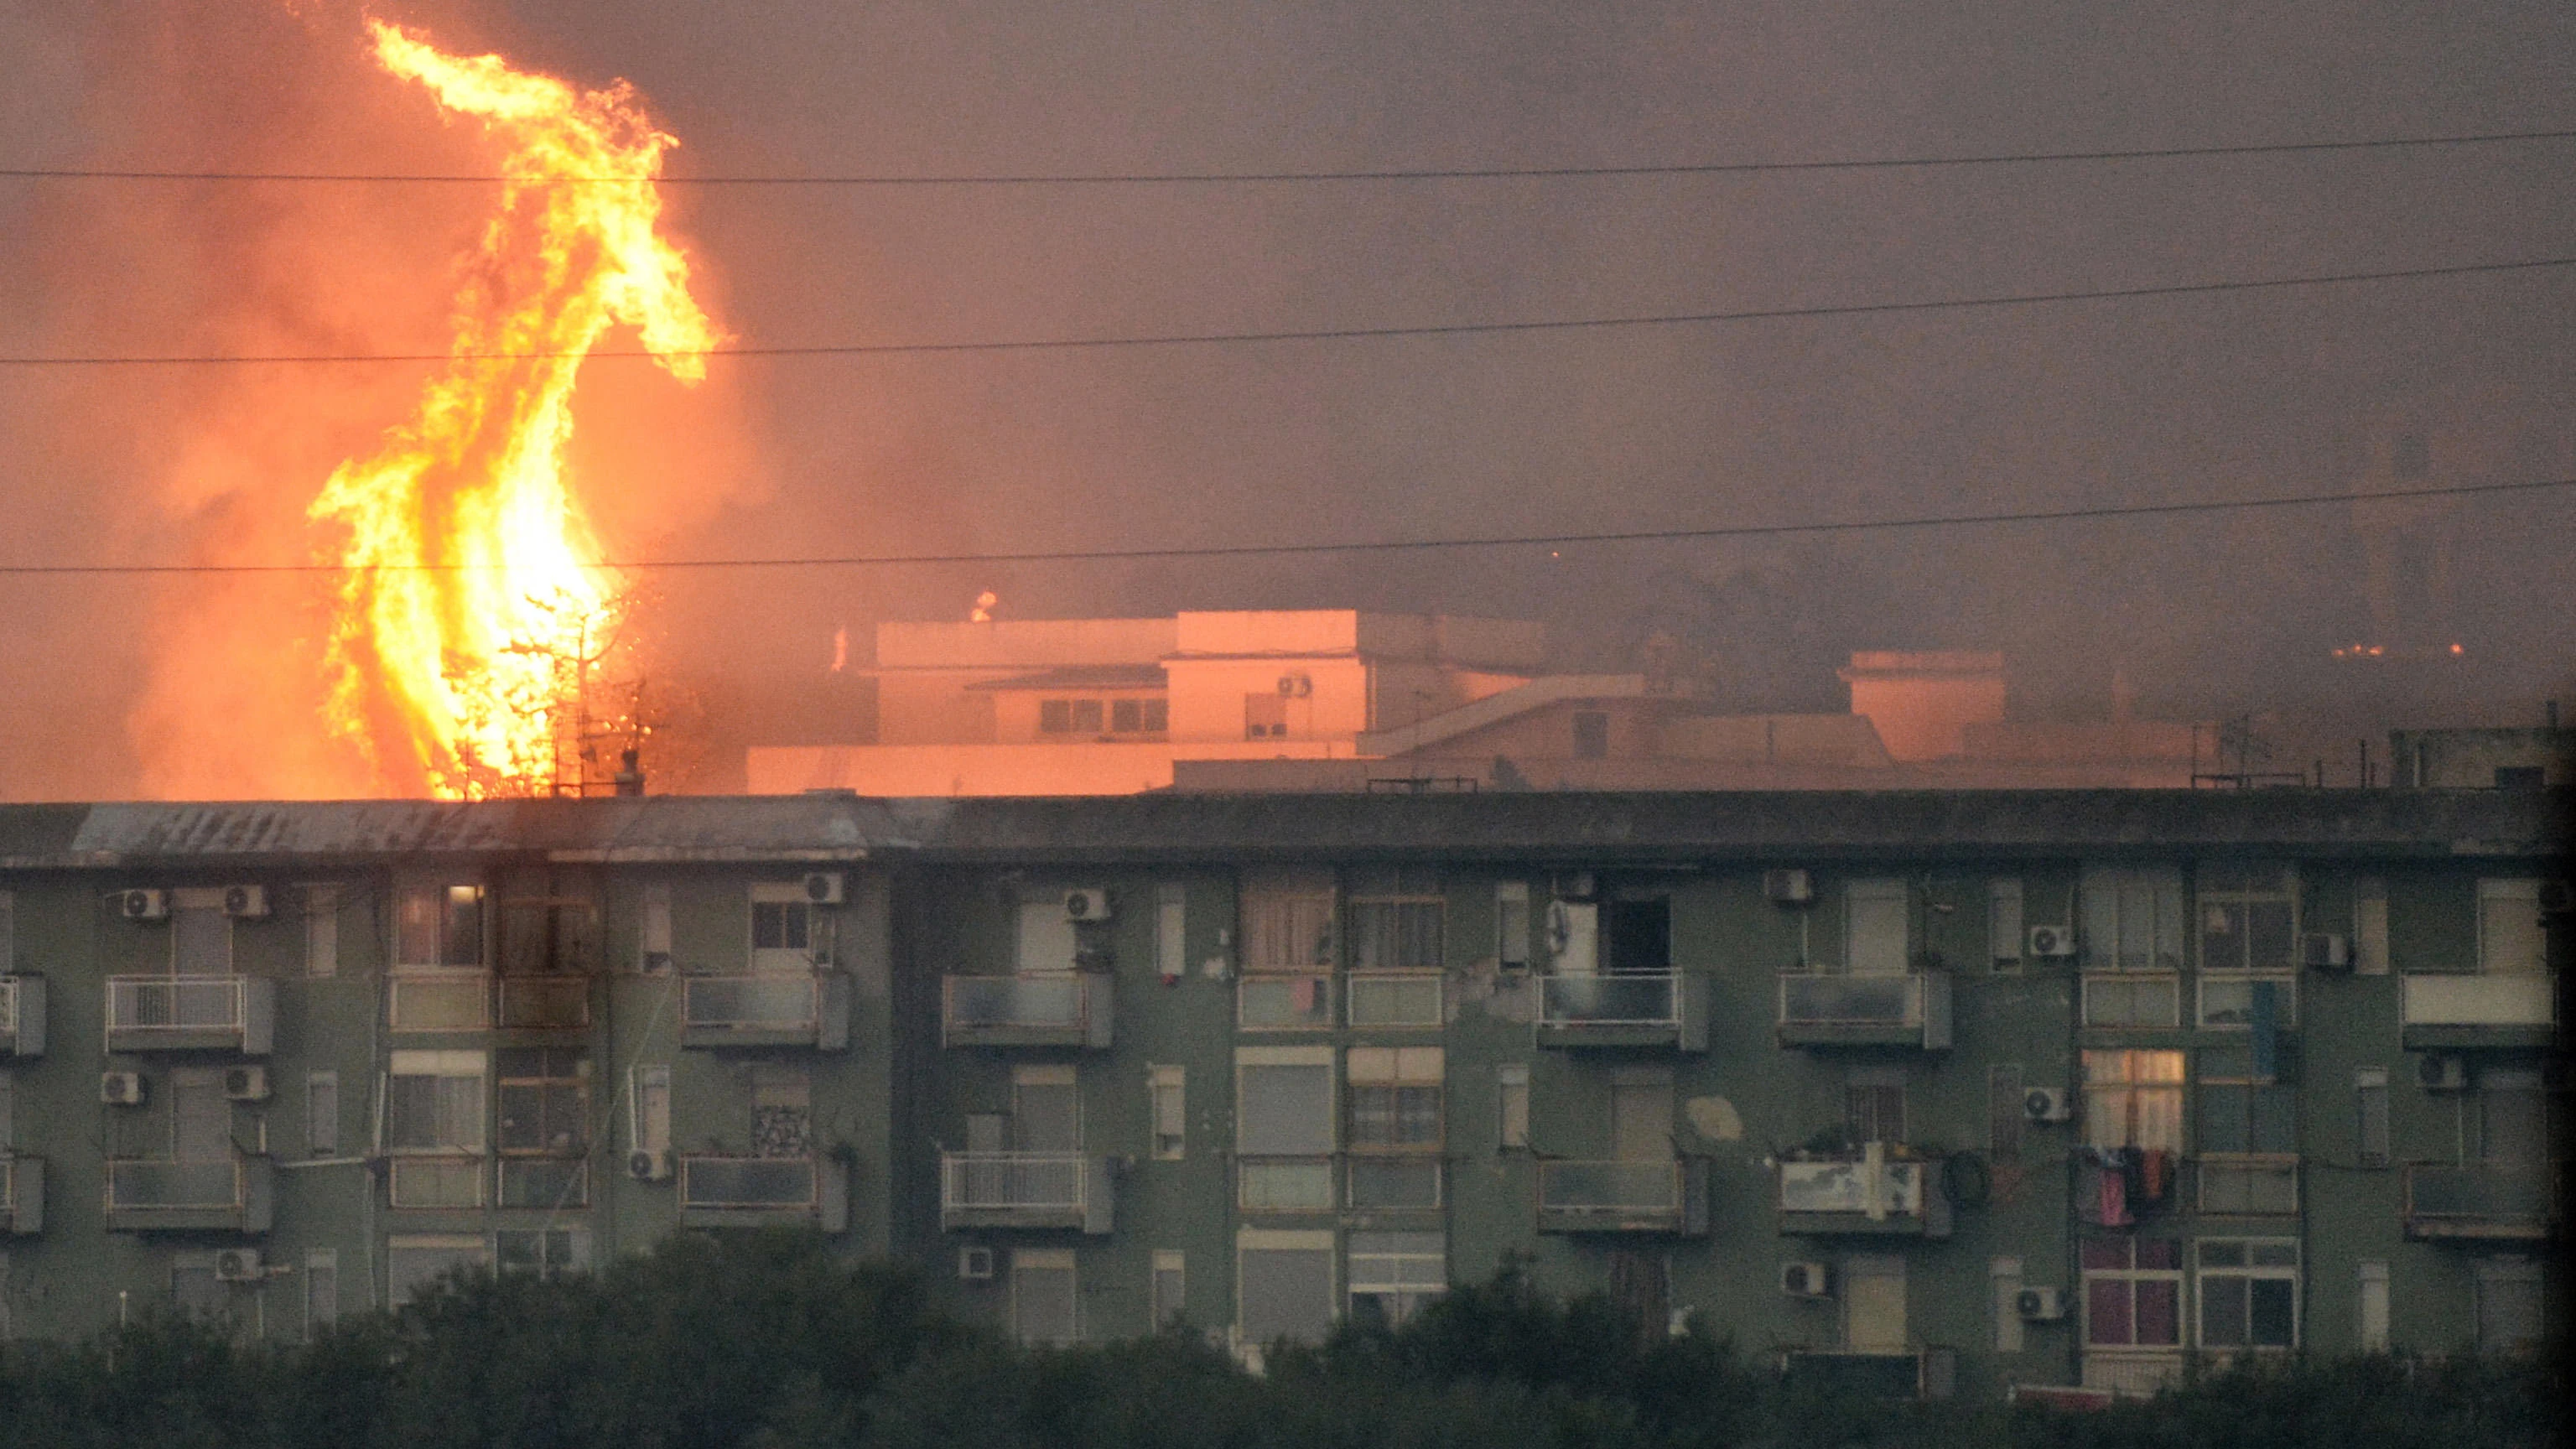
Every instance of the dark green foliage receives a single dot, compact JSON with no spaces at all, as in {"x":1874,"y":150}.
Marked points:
{"x":769,"y":1342}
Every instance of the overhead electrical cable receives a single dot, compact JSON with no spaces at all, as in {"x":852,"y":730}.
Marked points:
{"x":1327,"y":334}
{"x":1253,"y":178}
{"x":1410,"y":545}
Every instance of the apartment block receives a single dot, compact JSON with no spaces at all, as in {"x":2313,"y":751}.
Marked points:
{"x":1925,"y":1093}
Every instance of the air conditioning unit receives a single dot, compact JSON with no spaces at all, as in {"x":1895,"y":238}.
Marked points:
{"x":238,"y":1265}
{"x":975,"y":1265}
{"x":1296,"y":686}
{"x":2040,"y":1305}
{"x":1804,"y":1280}
{"x":2441,"y":1074}
{"x":2321,"y":951}
{"x":121,"y":1089}
{"x":2051,"y":941}
{"x":246,"y":1084}
{"x":2045,"y":1104}
{"x":247,"y":902}
{"x":1086,"y":905}
{"x":143,"y":905}
{"x":648,"y":1166}
{"x":823,"y":888}
{"x":1788,"y":887}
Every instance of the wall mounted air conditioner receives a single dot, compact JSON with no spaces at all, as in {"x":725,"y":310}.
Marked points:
{"x":246,"y":1084}
{"x":2051,"y":940}
{"x":238,"y":1265}
{"x":2040,"y":1305}
{"x":246,"y":902}
{"x":823,"y":888}
{"x":143,"y":905}
{"x":2322,"y":951}
{"x":1091,"y":904}
{"x":2045,"y":1104}
{"x":2441,"y":1074}
{"x":648,"y":1166}
{"x":1788,"y":887}
{"x":975,"y":1265}
{"x":121,"y":1089}
{"x":1804,"y":1280}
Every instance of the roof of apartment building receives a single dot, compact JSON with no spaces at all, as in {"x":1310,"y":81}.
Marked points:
{"x":1660,"y":827}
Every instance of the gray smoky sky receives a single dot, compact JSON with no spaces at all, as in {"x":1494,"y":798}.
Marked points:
{"x":112,"y":687}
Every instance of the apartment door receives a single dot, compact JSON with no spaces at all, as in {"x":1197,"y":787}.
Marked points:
{"x":1874,"y":1304}
{"x":201,"y":1117}
{"x":1046,"y":1110}
{"x":1640,"y":934}
{"x":1874,"y":928}
{"x":1641,"y":1116}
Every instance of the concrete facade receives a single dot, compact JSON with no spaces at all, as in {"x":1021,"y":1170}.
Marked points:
{"x":1259,"y":1062}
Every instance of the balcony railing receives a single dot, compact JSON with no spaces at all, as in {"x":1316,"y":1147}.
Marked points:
{"x":766,"y":1011}
{"x":1284,"y":1184}
{"x":234,"y":1194}
{"x":439,"y":1001}
{"x":22,"y":1016}
{"x":1818,"y":1009}
{"x":1866,"y":1193}
{"x":1056,"y":1008}
{"x":543,"y":1003}
{"x":191,"y":1013}
{"x":22,"y":1194}
{"x":1267,"y":1002}
{"x":1024,"y":1190}
{"x":435,"y":1182}
{"x":741,"y":1192}
{"x":1658,"y":1008}
{"x":2505,"y":1200}
{"x":1644,"y":1196}
{"x":2472,"y":1011}
{"x":1393,"y":999}
{"x":1913,"y":1373}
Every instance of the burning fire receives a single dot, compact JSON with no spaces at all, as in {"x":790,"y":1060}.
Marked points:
{"x":474,"y":607}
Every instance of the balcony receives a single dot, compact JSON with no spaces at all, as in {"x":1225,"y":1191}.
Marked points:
{"x":191,"y":1013}
{"x":812,"y":1011}
{"x":235,"y":1195}
{"x":1914,"y":1373}
{"x":1054,"y":1190}
{"x":22,"y":1017}
{"x":751,"y":1192}
{"x":1646,"y":1196}
{"x":438,"y":1001}
{"x":22,"y":1195}
{"x":2489,"y":1201}
{"x":2449,"y":1013}
{"x":542,"y":1003}
{"x":1393,"y":999}
{"x":1864,"y":1195}
{"x":1266,"y":1002}
{"x":1819,"y":1010}
{"x":1044,"y":1009}
{"x":1645,"y":1009}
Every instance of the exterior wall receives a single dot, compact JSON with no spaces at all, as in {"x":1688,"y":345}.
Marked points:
{"x":2469,"y":759}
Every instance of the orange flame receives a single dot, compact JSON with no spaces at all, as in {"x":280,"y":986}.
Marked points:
{"x":474,"y":599}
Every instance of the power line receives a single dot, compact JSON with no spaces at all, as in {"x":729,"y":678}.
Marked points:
{"x":1415,"y":545}
{"x":1246,"y":178}
{"x":1327,"y":334}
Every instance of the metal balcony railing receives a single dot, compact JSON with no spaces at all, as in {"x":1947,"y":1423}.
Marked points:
{"x":2481,"y":1199}
{"x":1646,"y":1195}
{"x":1274,"y":1002}
{"x":221,"y":1194}
{"x":180,"y":1012}
{"x":1822,"y":1009}
{"x":1067,"y":1008}
{"x":731,"y":1191}
{"x":1024,"y":1189}
{"x":543,"y":1003}
{"x":1862,"y":1193}
{"x":22,"y":1016}
{"x":1393,"y":998}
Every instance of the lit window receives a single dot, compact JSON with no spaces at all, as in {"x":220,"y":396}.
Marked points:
{"x":2133,"y":1099}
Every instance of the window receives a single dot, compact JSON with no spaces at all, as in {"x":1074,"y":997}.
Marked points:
{"x":2254,"y":1002}
{"x":438,"y":925}
{"x":2249,"y":918}
{"x":653,"y":948}
{"x":1265,"y":716}
{"x":1171,"y":929}
{"x":1170,"y":1289}
{"x":1874,"y":927}
{"x":201,"y":935}
{"x":2248,"y":1138}
{"x":322,"y":1113}
{"x":1167,"y":1087}
{"x":782,"y":929}
{"x":543,"y":936}
{"x":2509,"y":936}
{"x":2004,"y":1112}
{"x":414,"y":1262}
{"x":1512,"y":923}
{"x":2509,"y":1305}
{"x":782,"y":1111}
{"x":2512,"y":1115}
{"x":1044,"y":1305}
{"x":196,"y":1290}
{"x":1289,"y":928}
{"x":8,"y":933}
{"x":1284,"y":1127}
{"x":1069,"y":717}
{"x":545,"y":1252}
{"x":8,"y":1113}
{"x":2370,"y":926}
{"x":1393,"y":1182}
{"x":434,"y":1102}
{"x":1591,"y":735}
{"x":2133,"y":1099}
{"x":1392,"y":1274}
{"x":322,"y":930}
{"x":1873,"y":1299}
{"x":2370,"y":1311}
{"x":544,"y":1133}
{"x":2370,"y":1101}
{"x":1511,"y":1106}
{"x":1283,"y":1286}
{"x":2005,"y":937}
{"x":2132,"y":1292}
{"x":1395,"y":1098}
{"x":2248,"y":1290}
{"x":2132,"y":919}
{"x":321,"y":1290}
{"x":1396,"y":934}
{"x":2110,"y":1001}
{"x":1874,"y":1111}
{"x":1140,"y":716}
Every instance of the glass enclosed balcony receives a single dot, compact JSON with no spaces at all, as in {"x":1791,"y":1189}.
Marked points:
{"x":1627,"y":1009}
{"x":22,"y":1017}
{"x":2499,"y":1200}
{"x":766,"y":1011}
{"x":1818,"y":1009}
{"x":191,"y":1013}
{"x":234,"y":1195}
{"x":750,"y":1192}
{"x":1041,"y":1009}
{"x":1644,"y":1196}
{"x":1058,"y":1190}
{"x":1277,"y":1002}
{"x":2450,"y":1013}
{"x":542,"y":1003}
{"x":1863,"y":1194}
{"x":1398,"y":999}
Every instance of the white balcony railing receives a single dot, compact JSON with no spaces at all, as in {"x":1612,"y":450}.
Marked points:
{"x":142,"y":1186}
{"x":1014,"y":1182}
{"x":1276,"y":1002}
{"x":177,"y":1003}
{"x":1393,"y":998}
{"x":2526,"y":1000}
{"x":1645,"y":999}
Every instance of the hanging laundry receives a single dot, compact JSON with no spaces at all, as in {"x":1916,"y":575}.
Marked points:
{"x":2155,"y":1174}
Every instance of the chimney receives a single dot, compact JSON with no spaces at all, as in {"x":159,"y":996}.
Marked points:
{"x":630,"y":775}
